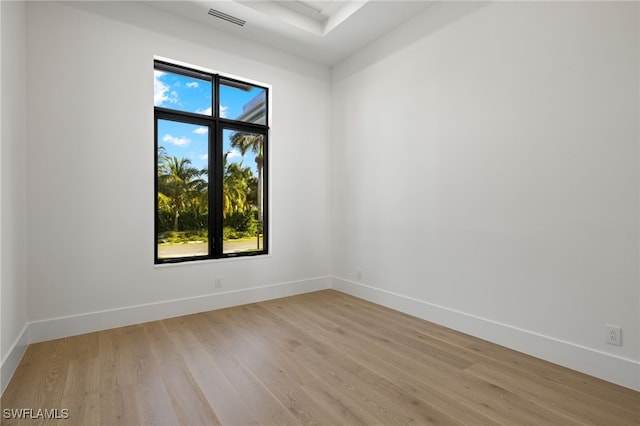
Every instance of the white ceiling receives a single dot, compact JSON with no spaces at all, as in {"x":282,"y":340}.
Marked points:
{"x":325,"y":31}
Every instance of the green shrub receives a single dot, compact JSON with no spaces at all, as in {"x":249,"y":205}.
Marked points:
{"x":229,"y":233}
{"x":193,"y":227}
{"x":242,"y":225}
{"x":183,"y":236}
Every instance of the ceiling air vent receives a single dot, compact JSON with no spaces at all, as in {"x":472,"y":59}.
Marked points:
{"x":226,"y":17}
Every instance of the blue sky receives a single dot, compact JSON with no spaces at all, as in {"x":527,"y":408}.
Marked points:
{"x":193,"y":95}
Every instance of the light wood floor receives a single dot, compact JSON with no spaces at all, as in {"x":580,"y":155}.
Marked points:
{"x":320,"y":358}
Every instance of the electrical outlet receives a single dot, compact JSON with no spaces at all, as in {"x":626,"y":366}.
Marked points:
{"x":218,"y":282}
{"x":614,"y":335}
{"x":359,"y":274}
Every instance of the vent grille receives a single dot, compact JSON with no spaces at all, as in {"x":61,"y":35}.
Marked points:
{"x":226,"y":17}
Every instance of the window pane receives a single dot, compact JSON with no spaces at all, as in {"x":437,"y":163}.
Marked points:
{"x":242,"y":102}
{"x":243,"y":184}
{"x":181,"y":93}
{"x":183,"y":189}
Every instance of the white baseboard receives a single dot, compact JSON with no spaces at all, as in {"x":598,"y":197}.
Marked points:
{"x":622,"y":371}
{"x":13,"y":357}
{"x":55,"y":328}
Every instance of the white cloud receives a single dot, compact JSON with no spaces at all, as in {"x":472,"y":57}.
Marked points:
{"x":161,"y":91}
{"x":192,"y":84}
{"x":233,"y":153}
{"x":201,"y":130}
{"x":203,"y":156}
{"x":206,"y":111}
{"x":181,"y":142}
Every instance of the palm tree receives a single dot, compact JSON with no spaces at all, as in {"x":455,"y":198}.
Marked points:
{"x":236,"y":191}
{"x":253,"y":142}
{"x":162,"y":155}
{"x":179,"y":185}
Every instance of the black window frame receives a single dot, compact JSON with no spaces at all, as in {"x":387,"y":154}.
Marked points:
{"x":216,"y":125}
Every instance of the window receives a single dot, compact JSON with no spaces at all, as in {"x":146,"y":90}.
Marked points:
{"x":211,"y":143}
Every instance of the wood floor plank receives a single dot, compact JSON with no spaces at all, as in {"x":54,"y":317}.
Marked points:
{"x":222,"y":397}
{"x":188,"y":401}
{"x":362,"y":383}
{"x":619,"y":396}
{"x":334,"y":403}
{"x":468,"y":345}
{"x":322,"y":358}
{"x":494,"y":402}
{"x":47,"y":379}
{"x":265,"y":407}
{"x":82,"y":392}
{"x":118,"y":406}
{"x":386,"y":332}
{"x":576,"y":405}
{"x":286,"y":383}
{"x":152,"y":397}
{"x":289,"y":340}
{"x":479,"y":350}
{"x":343,"y":342}
{"x":436,"y":336}
{"x":113,"y":370}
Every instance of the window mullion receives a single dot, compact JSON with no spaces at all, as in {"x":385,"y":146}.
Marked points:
{"x":217,"y":198}
{"x":215,"y":148}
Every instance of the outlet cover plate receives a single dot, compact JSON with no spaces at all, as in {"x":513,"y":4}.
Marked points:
{"x":613,"y":335}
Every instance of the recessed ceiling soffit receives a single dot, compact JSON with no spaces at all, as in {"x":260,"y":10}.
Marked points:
{"x":316,"y":17}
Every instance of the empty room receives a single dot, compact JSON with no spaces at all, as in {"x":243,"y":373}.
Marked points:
{"x":320,"y":212}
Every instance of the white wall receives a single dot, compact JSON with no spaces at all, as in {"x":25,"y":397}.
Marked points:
{"x":90,"y":160}
{"x":485,"y":174}
{"x":13,"y":188}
